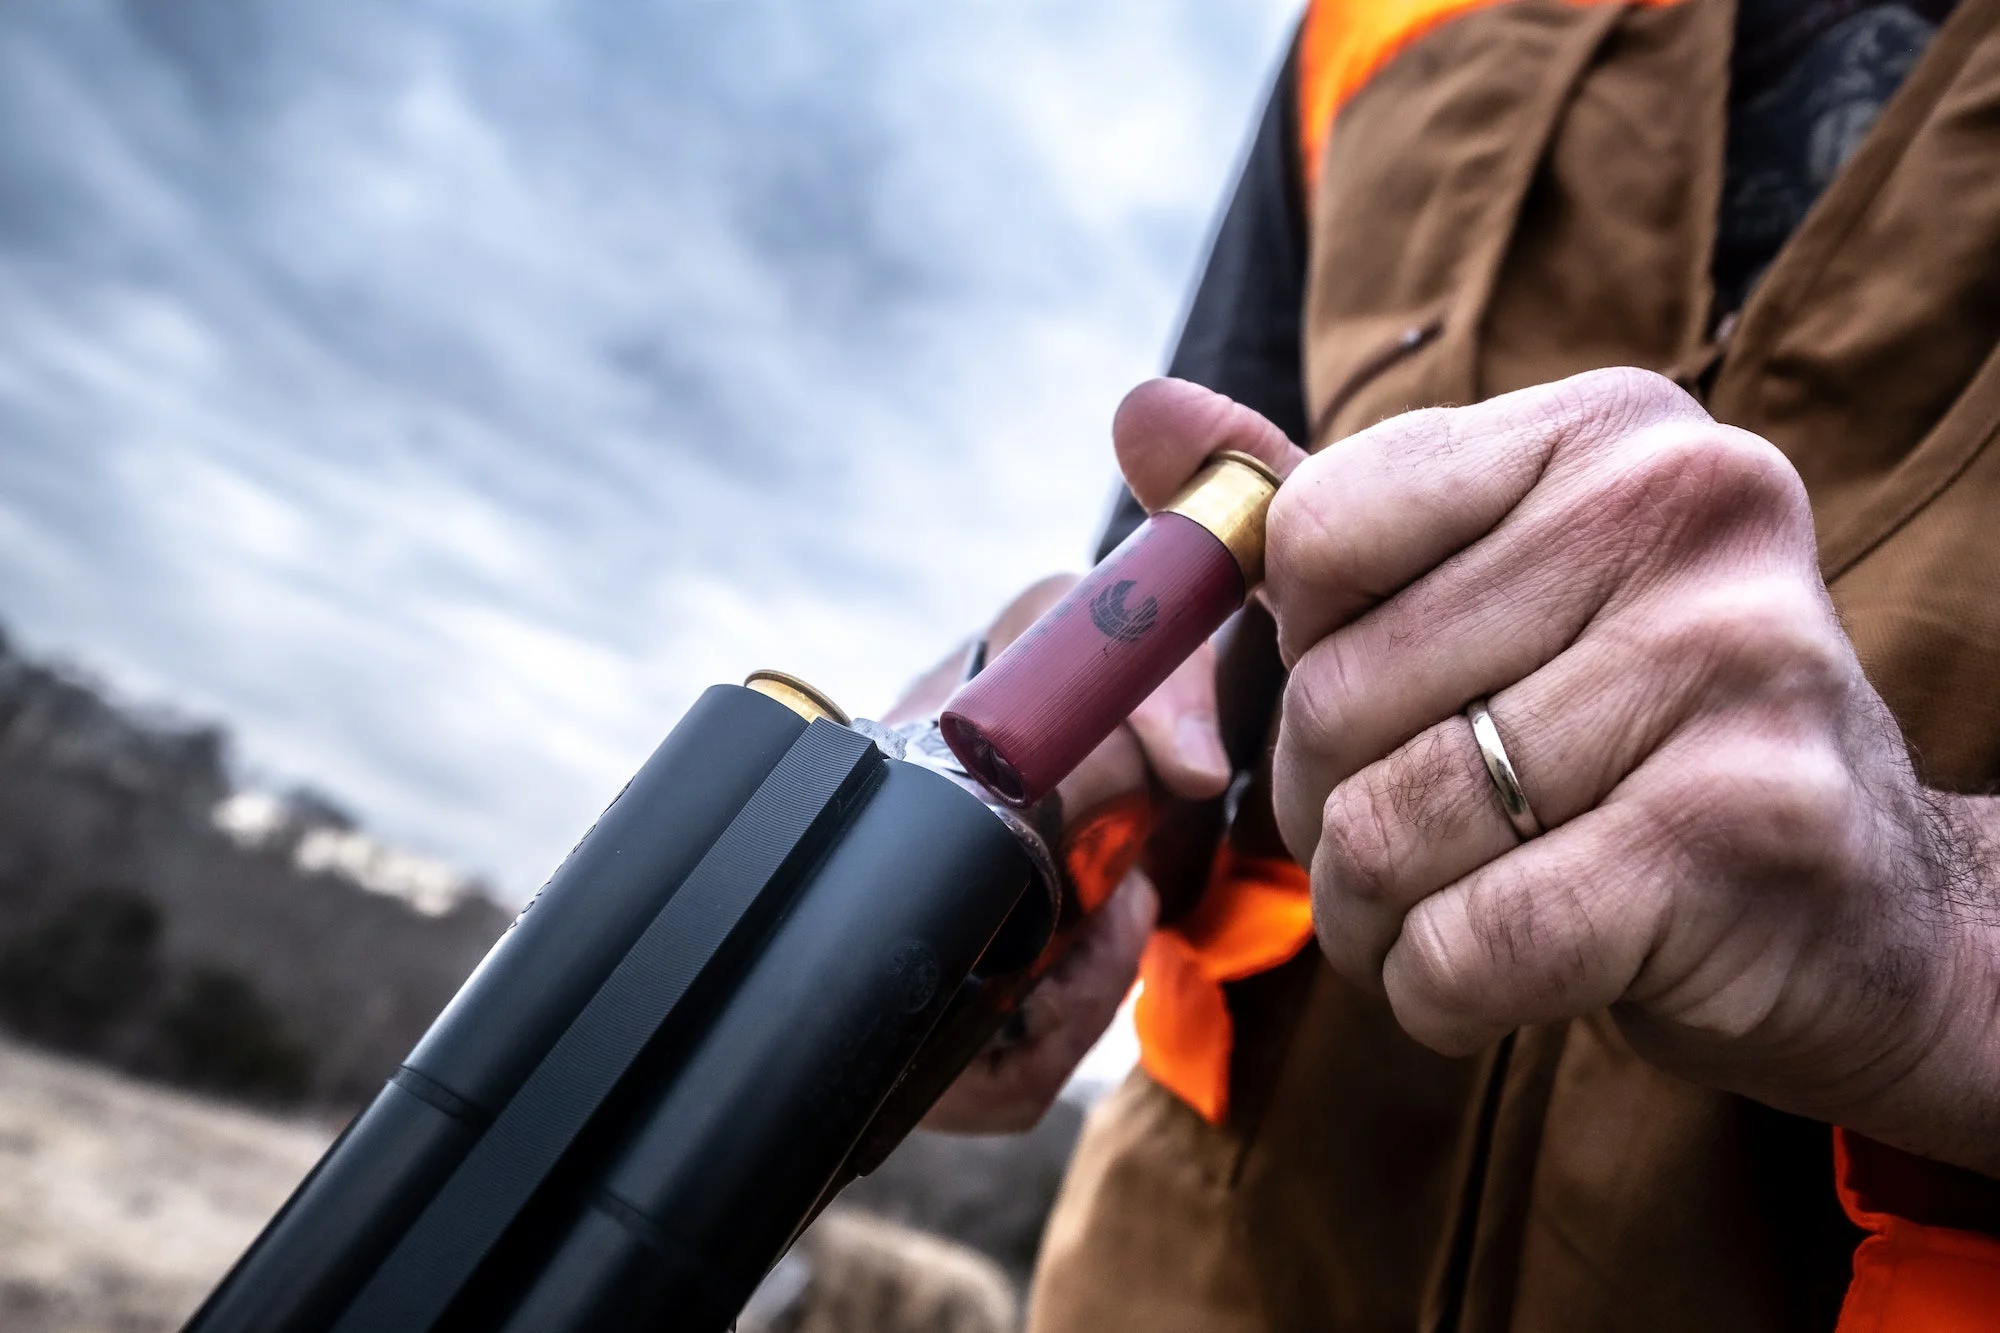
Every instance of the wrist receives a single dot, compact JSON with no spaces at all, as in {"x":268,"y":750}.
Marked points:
{"x":1946,"y":1106}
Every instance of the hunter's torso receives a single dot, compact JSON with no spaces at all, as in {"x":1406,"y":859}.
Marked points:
{"x":1525,"y":190}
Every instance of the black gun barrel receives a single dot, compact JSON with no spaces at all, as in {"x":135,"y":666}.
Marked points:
{"x":349,"y":1213}
{"x":686,"y":1044}
{"x":712,"y":1184}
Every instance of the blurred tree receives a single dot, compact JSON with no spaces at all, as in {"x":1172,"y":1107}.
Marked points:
{"x":73,"y":978}
{"x":219,"y":1035}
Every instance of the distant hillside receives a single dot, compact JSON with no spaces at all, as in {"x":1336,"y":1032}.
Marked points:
{"x":241,"y":942}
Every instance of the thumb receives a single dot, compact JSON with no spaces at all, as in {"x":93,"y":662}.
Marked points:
{"x":1178,"y":731}
{"x":1165,"y":429}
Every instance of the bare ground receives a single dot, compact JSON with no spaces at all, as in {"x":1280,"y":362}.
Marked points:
{"x":121,"y":1202}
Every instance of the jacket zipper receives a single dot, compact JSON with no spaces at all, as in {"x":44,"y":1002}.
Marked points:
{"x":1406,"y":342}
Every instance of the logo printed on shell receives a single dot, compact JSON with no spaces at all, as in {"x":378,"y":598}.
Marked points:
{"x":1126,"y":624}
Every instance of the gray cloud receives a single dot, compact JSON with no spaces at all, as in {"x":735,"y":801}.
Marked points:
{"x":444,"y":393}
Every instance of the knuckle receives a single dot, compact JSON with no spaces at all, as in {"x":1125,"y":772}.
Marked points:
{"x":1533,"y":942}
{"x":1696,"y":475}
{"x":1433,"y":966}
{"x":1768,"y":485}
{"x":1425,"y":783}
{"x":1504,"y":922}
{"x":1802,"y":804}
{"x":1357,"y":846}
{"x":1618,"y":399}
{"x":1681,"y":461}
{"x":1297,"y":799}
{"x":1771,"y":637}
{"x":1316,"y":696}
{"x":1504,"y":951}
{"x":1775,"y":809}
{"x":1555,"y":950}
{"x":1345,"y":939}
{"x":1806,"y":659}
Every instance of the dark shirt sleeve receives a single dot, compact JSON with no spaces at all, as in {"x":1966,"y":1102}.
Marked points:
{"x":1242,"y":335}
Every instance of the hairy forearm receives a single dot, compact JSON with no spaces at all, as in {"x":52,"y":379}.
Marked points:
{"x":1949,"y":1106}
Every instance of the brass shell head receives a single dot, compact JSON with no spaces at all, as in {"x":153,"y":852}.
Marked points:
{"x":806,"y":700}
{"x":1230,"y":496}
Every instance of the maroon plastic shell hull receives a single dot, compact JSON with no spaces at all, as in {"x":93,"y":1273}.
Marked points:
{"x":1039,"y":708}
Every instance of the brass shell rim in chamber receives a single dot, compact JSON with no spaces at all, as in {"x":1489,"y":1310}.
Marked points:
{"x":1230,"y":497}
{"x":807,"y":700}
{"x":1251,"y":461}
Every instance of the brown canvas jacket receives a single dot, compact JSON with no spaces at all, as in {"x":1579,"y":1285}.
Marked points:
{"x":1529,"y":191}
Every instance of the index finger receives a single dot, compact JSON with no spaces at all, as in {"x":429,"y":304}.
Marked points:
{"x":1366,"y":517}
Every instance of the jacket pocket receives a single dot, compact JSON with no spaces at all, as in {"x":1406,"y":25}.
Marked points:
{"x":1371,"y":367}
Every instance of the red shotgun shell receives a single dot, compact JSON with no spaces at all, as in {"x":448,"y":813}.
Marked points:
{"x":1052,"y":697}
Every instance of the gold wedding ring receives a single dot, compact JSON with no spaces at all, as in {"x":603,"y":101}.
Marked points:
{"x":1501,"y":769}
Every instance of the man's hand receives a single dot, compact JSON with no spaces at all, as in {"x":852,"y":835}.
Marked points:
{"x":1739,"y":862}
{"x":1007,"y":1087}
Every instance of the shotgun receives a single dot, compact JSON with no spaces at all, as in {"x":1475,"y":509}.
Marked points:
{"x":747,"y":982}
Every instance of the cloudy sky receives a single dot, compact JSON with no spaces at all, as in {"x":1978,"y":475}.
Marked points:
{"x":442,"y":394}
